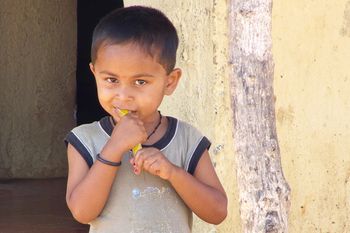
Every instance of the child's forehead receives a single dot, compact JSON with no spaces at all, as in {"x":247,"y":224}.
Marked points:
{"x":126,"y":56}
{"x":142,"y":50}
{"x":128,"y":50}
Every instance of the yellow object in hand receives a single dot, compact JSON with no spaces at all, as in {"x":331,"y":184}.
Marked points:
{"x":123,"y":112}
{"x":138,"y":147}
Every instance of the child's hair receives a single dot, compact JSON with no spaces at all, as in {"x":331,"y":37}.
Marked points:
{"x":146,"y":27}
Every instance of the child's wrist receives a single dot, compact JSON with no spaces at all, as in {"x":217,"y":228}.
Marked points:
{"x":113,"y":153}
{"x":172,"y":173}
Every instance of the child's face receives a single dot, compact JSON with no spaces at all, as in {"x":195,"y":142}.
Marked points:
{"x":128,"y":78}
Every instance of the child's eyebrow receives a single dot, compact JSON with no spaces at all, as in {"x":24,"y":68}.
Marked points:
{"x":133,"y":76}
{"x":142,"y":75}
{"x":108,"y":73}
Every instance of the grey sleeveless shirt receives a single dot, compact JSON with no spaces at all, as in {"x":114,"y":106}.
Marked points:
{"x":143,"y":203}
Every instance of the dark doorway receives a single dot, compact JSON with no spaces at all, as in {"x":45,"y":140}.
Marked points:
{"x":89,"y":14}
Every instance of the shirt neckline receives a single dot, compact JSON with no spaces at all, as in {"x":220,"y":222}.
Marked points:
{"x":107,"y":125}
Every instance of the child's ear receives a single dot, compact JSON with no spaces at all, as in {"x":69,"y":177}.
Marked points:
{"x":92,"y":68}
{"x":173,"y":80}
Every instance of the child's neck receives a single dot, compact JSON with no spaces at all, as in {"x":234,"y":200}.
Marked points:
{"x":155,"y":133}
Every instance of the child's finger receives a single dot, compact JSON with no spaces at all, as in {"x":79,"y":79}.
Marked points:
{"x":148,"y":163}
{"x":139,"y":159}
{"x":154,"y":168}
{"x":144,"y":159}
{"x":132,"y":161}
{"x":137,"y":171}
{"x":117,"y":115}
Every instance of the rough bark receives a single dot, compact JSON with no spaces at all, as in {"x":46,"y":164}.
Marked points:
{"x":264,"y":194}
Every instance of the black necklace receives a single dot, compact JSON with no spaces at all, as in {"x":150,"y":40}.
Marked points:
{"x":155,"y":129}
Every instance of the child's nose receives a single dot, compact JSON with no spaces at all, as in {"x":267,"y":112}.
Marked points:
{"x":123,"y":93}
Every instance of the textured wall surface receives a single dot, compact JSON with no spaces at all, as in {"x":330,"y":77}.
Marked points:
{"x":312,"y":86}
{"x":37,"y":78}
{"x":203,"y":95}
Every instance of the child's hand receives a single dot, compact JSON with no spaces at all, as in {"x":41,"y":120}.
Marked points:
{"x":153,"y":161}
{"x":128,"y":132}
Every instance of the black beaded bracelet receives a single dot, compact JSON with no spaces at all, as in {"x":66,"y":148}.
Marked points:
{"x":102,"y":160}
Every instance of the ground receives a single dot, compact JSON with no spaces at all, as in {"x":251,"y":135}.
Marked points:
{"x":36,"y":206}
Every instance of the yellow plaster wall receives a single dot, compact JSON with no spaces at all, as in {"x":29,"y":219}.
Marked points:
{"x":311,"y":46}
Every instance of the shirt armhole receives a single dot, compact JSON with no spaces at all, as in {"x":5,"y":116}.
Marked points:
{"x":203,"y":145}
{"x":79,"y":146}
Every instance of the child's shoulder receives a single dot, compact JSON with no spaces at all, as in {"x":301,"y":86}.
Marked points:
{"x":87,"y":139}
{"x":86,"y":128}
{"x":186,"y":132}
{"x":185,"y":127}
{"x":191,"y":142}
{"x":93,"y":127}
{"x":89,"y":133}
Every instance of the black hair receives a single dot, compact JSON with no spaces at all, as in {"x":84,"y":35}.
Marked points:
{"x":147,"y":27}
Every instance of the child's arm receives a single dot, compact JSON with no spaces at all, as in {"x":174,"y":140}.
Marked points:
{"x":202,"y":193}
{"x":88,"y":189}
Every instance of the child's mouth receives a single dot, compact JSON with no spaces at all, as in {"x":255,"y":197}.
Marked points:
{"x":125,"y":111}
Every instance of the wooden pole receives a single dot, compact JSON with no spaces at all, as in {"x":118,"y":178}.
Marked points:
{"x":264,"y":194}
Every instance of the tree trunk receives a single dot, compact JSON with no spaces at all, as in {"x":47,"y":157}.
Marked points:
{"x":264,"y":194}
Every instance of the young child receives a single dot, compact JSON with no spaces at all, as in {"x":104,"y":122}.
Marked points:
{"x":133,"y":56}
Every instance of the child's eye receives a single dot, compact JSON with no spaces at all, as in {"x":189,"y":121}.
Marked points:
{"x":140,"y":82}
{"x":111,"y":80}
